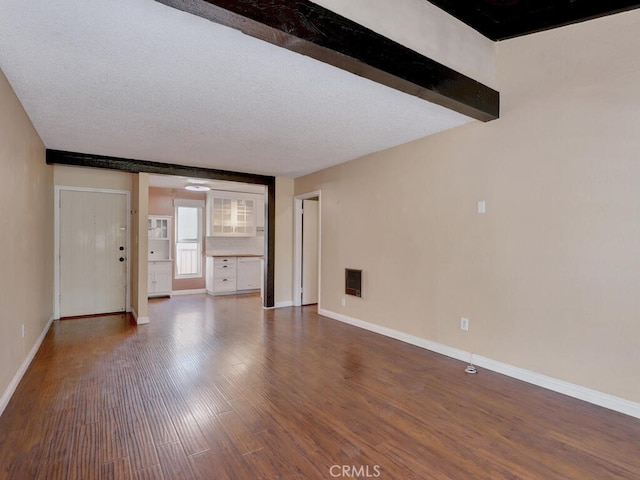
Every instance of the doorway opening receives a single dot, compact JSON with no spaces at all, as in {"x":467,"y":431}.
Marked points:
{"x":307,"y":249}
{"x":219,"y":245}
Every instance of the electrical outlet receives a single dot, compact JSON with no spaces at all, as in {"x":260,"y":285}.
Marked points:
{"x":23,"y":330}
{"x":344,"y":302}
{"x":464,"y":324}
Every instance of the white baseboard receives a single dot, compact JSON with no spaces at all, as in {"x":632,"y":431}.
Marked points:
{"x":576,"y":391}
{"x":139,"y":320}
{"x":288,"y":303}
{"x":8,"y":393}
{"x":188,"y":292}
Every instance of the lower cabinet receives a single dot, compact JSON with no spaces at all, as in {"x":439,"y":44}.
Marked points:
{"x":221,"y":275}
{"x":248,"y":277}
{"x":228,"y":275}
{"x":159,"y":278}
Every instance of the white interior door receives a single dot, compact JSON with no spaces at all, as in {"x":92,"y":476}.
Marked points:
{"x":310,"y":239}
{"x":93,"y":252}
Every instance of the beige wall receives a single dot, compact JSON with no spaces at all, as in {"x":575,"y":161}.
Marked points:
{"x":26,"y":246}
{"x":550,"y":276}
{"x":161,"y":203}
{"x":139,"y":247}
{"x":284,"y":241}
{"x":92,"y":178}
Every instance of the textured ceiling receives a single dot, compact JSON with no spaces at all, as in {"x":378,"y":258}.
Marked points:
{"x":137,"y":79}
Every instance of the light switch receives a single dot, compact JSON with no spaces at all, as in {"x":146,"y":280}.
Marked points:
{"x":482,"y":208}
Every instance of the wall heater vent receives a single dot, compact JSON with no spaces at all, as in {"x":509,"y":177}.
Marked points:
{"x":353,"y":282}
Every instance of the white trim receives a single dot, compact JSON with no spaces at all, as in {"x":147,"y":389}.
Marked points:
{"x":297,"y":245}
{"x":139,"y":320}
{"x":188,"y":292}
{"x":288,"y":303}
{"x":576,"y":391}
{"x":11,"y":388}
{"x":56,"y":241}
{"x":200,"y":205}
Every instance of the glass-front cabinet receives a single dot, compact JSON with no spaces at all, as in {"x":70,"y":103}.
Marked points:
{"x":159,"y":237}
{"x":231,"y":215}
{"x":159,"y":227}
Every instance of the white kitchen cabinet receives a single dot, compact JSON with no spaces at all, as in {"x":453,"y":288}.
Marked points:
{"x":159,"y":278}
{"x":159,"y":231}
{"x":160,"y":265}
{"x":248,"y":273}
{"x":260,"y":213}
{"x":159,"y":227}
{"x":209,"y":274}
{"x":221,"y":275}
{"x":228,"y":275}
{"x":231,"y":214}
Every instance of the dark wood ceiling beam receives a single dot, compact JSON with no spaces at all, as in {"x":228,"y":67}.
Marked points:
{"x":309,"y":29}
{"x":504,"y":19}
{"x":76,"y":159}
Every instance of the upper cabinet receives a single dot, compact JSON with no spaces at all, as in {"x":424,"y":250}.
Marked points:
{"x":232,"y":214}
{"x":159,"y":227}
{"x":159,"y":230}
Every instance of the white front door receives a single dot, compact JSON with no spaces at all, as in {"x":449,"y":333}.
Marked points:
{"x":310,"y":209}
{"x":93,"y":252}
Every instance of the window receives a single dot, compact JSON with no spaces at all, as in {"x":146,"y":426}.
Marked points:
{"x":188,"y":239}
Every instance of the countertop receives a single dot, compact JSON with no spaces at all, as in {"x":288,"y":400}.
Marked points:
{"x":229,"y":254}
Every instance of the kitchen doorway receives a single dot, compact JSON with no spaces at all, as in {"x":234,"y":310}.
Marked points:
{"x":307,"y":256}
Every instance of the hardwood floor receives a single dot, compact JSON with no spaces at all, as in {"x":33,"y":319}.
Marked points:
{"x":220,"y":389}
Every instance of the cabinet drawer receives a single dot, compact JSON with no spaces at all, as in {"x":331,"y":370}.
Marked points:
{"x":224,"y":285}
{"x":224,"y":268}
{"x":224,"y":262}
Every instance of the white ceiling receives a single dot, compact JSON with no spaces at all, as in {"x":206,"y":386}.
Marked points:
{"x":138,"y":79}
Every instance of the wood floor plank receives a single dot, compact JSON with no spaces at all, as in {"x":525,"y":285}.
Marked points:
{"x":228,"y":462}
{"x":162,"y":429}
{"x":251,"y":417}
{"x":142,"y":451}
{"x":243,"y":439}
{"x":114,"y":434}
{"x":218,"y":388}
{"x":206,"y":466}
{"x":86,"y":461}
{"x":174,"y":462}
{"x":119,"y":469}
{"x":190,"y":434}
{"x":150,"y":473}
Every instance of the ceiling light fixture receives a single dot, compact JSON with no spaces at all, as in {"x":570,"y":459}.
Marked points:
{"x":197,"y":188}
